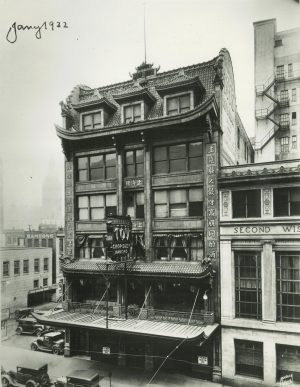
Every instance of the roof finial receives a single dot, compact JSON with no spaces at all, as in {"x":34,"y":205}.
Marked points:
{"x":145,"y":47}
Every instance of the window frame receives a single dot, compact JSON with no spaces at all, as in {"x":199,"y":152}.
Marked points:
{"x":188,"y":158}
{"x":6,"y":271}
{"x":294,"y":141}
{"x":294,"y":118}
{"x":89,"y":169}
{"x":17,"y":268}
{"x":283,"y":351}
{"x":290,"y":70}
{"x":131,"y":105}
{"x":26,"y":267}
{"x":168,"y":203}
{"x":259,"y":347}
{"x":36,"y":265}
{"x":279,"y":199}
{"x":89,"y":208}
{"x":285,"y":286}
{"x":165,"y":243}
{"x":280,"y":72}
{"x":178,"y":95}
{"x":294,"y":95}
{"x":46,"y":264}
{"x":134,"y":163}
{"x":245,"y":205}
{"x":36,"y":284}
{"x":92,"y":113}
{"x":45,"y":280}
{"x":135,"y":205}
{"x":240,"y":291}
{"x":85,"y":251}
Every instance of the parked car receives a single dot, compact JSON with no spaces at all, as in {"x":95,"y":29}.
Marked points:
{"x":82,"y":378}
{"x":33,"y":374}
{"x":24,"y":312}
{"x":49,"y":342}
{"x":29,"y":325}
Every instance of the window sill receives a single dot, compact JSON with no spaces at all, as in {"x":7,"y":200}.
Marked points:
{"x":168,"y":174}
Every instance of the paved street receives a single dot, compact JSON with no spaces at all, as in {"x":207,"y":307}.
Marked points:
{"x":15,"y":349}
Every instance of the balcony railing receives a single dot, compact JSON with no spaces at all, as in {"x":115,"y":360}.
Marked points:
{"x":115,"y":310}
{"x":284,"y":102}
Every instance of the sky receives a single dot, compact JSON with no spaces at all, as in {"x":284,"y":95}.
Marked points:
{"x":99,"y":42}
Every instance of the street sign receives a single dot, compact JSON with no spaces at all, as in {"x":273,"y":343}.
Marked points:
{"x":118,"y":238}
{"x":106,"y":350}
{"x":286,"y":380}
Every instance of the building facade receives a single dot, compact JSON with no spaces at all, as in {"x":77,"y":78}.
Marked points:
{"x":149,"y":148}
{"x":26,"y":277}
{"x":260,"y":272}
{"x":277,"y":92}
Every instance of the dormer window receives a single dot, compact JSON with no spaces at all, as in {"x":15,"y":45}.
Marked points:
{"x":178,"y":104}
{"x":91,"y":121}
{"x":132,"y":113}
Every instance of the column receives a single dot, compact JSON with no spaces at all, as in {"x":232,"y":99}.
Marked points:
{"x":227,"y":280}
{"x":268,"y":286}
{"x":148,"y":212}
{"x":119,"y":182}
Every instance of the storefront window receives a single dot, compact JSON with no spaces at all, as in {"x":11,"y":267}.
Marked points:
{"x":288,"y":362}
{"x":249,"y":358}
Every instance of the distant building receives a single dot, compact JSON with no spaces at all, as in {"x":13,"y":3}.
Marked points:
{"x":60,"y":252}
{"x":26,"y":277}
{"x":277,"y":92}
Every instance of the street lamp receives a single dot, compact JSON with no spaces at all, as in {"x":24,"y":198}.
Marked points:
{"x":205,"y":298}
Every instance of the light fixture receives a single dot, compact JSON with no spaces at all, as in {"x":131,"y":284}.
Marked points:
{"x":205,"y":296}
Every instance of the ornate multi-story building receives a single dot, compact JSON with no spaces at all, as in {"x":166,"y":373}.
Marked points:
{"x":151,"y":148}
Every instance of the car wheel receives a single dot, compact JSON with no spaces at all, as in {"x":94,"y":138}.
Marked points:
{"x":31,"y":383}
{"x":55,"y":351}
{"x":19,"y":331}
{"x":5,"y":381}
{"x":33,"y":347}
{"x":44,"y":380}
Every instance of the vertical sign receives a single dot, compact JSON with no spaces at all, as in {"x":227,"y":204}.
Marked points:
{"x":212,"y":208}
{"x":69,"y":206}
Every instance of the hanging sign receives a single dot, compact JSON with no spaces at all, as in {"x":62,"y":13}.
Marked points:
{"x":106,"y":350}
{"x":118,"y":238}
{"x":203,"y":360}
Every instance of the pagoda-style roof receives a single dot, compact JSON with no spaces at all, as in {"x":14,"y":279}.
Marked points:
{"x":156,"y":268}
{"x":130,"y":326}
{"x":134,"y":94}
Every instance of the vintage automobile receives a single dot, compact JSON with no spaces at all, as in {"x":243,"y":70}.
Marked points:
{"x":33,"y":374}
{"x":82,"y":378}
{"x":24,"y":312}
{"x":29,"y":325}
{"x":49,"y":342}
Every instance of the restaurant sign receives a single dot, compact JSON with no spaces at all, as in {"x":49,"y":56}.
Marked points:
{"x":118,"y":238}
{"x":203,"y":360}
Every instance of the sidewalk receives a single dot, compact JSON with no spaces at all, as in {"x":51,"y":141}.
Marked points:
{"x":121,"y":376}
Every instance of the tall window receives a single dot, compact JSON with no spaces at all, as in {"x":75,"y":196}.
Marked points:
{"x":178,"y":158}
{"x":284,"y":120}
{"x":25,"y":266}
{"x":294,"y":118}
{"x":286,"y":201}
{"x":16,"y":267}
{"x":284,"y":144}
{"x":178,"y":247}
{"x":92,"y":248}
{"x":294,"y":142}
{"x":178,"y":203}
{"x":284,"y":97}
{"x":96,"y":207}
{"x":44,"y":242}
{"x":37,"y":265}
{"x":45,"y":281}
{"x":6,"y":269}
{"x":280,"y":72}
{"x":134,"y":163}
{"x":246,"y":204}
{"x":288,"y":361}
{"x":290,"y":70}
{"x":36,"y":242}
{"x":249,"y":358}
{"x":97,"y":167}
{"x":294,"y":95}
{"x":132,"y":113}
{"x":35,"y":284}
{"x":46,"y":264}
{"x":288,"y":286}
{"x":134,"y":204}
{"x":29,"y":242}
{"x":177,"y":105}
{"x":92,"y":121}
{"x":247,"y":285}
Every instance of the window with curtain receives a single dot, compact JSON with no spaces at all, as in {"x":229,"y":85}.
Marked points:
{"x":178,"y":247}
{"x":246,"y":203}
{"x":134,"y":163}
{"x":93,"y":247}
{"x":96,"y":207}
{"x":249,"y":358}
{"x":178,"y":158}
{"x":247,"y":285}
{"x":92,"y":121}
{"x":288,"y":286}
{"x":286,"y":201}
{"x":96,"y":167}
{"x":134,"y":204}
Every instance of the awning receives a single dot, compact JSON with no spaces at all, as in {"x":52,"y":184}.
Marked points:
{"x":130,"y":326}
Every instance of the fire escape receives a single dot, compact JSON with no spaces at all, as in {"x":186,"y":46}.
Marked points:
{"x":266,"y":90}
